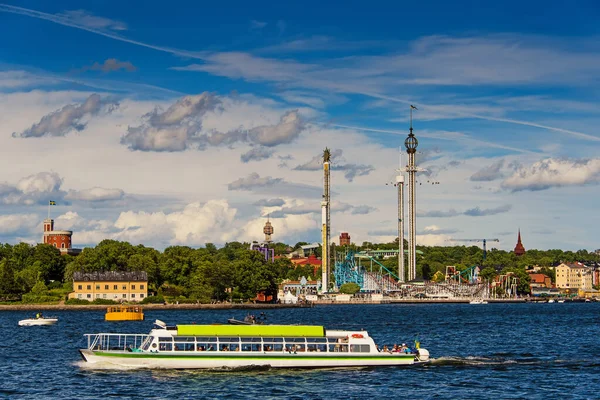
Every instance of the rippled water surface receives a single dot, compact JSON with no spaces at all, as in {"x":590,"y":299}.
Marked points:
{"x":501,"y":351}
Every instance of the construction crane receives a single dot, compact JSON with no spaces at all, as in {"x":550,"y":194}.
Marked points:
{"x":476,"y":240}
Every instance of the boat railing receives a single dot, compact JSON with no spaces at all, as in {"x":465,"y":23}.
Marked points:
{"x":115,"y":341}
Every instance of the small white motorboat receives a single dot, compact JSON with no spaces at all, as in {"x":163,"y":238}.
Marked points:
{"x":38,"y":321}
{"x":478,"y":301}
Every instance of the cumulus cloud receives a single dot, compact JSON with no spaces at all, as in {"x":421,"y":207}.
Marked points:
{"x":110,"y":65}
{"x":489,"y":173}
{"x":33,"y":189}
{"x":270,"y":202}
{"x":21,"y":224}
{"x":95,"y":194}
{"x":275,"y":186}
{"x":256,"y":154}
{"x":436,"y":230}
{"x":253,"y":181}
{"x":300,"y":208}
{"x":196,"y":224}
{"x":549,"y":173}
{"x":478,"y":212}
{"x":471,"y":212}
{"x":174,"y":129}
{"x":288,"y":128}
{"x":180,"y":127}
{"x":68,"y":118}
{"x":42,"y":187}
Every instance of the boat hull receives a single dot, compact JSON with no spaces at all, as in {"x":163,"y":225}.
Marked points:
{"x":218,"y":360}
{"x":38,"y":321}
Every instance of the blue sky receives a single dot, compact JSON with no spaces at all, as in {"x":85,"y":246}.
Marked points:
{"x":185,"y":123}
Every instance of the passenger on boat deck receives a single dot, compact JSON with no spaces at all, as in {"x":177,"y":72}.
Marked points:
{"x":267,"y":347}
{"x":225,"y":348}
{"x":396,"y":349}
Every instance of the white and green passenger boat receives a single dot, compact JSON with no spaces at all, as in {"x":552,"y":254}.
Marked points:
{"x":234,"y":346}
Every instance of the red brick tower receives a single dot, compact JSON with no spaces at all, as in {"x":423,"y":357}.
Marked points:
{"x":59,"y":239}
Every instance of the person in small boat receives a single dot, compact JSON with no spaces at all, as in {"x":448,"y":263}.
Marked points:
{"x":396,"y":349}
{"x":38,"y":315}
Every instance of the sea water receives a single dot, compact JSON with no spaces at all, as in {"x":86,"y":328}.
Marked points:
{"x":493,"y":351}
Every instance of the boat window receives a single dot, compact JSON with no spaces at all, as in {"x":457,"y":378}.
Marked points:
{"x":147,"y":342}
{"x":360,"y":348}
{"x":206,"y":346}
{"x":184,"y":346}
{"x":311,"y":347}
{"x":337,"y":347}
{"x":251,"y":346}
{"x":165,"y":346}
{"x":273,"y":347}
{"x":322,"y":347}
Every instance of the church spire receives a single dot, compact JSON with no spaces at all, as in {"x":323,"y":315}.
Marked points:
{"x":519,"y":249}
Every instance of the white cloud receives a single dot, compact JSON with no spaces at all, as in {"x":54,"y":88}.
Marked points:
{"x":95,"y":194}
{"x":85,"y":18}
{"x":256,"y":154}
{"x":110,"y":65}
{"x":288,"y":128}
{"x":489,"y":173}
{"x":17,"y":224}
{"x":69,"y":118}
{"x":550,"y":173}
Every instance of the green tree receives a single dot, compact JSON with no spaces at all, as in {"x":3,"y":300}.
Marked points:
{"x":349,"y":288}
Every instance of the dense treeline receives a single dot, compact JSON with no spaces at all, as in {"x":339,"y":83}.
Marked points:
{"x":232,"y":272}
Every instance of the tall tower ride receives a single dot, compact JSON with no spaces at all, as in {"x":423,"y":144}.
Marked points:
{"x":411,"y":144}
{"x":325,"y":222}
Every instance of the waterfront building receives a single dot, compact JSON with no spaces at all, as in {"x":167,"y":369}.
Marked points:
{"x":300,"y":287}
{"x":344,"y":239}
{"x":59,"y":239}
{"x":111,"y":285}
{"x":519,"y":249}
{"x":539,"y":281}
{"x":573,"y":276}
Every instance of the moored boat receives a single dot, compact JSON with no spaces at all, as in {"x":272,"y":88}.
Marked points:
{"x":478,"y":301}
{"x":233,"y":346}
{"x":124,"y":313}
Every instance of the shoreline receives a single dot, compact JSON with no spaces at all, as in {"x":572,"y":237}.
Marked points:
{"x":255,"y":306}
{"x":103,"y":307}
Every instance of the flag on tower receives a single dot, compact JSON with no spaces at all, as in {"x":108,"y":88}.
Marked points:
{"x":413,"y":107}
{"x":52,"y":203}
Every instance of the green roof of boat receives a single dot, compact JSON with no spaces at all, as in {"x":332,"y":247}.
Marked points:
{"x":251,"y":330}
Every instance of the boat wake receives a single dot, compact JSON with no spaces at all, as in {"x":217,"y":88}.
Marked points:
{"x":506,"y":361}
{"x":104,"y":366}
